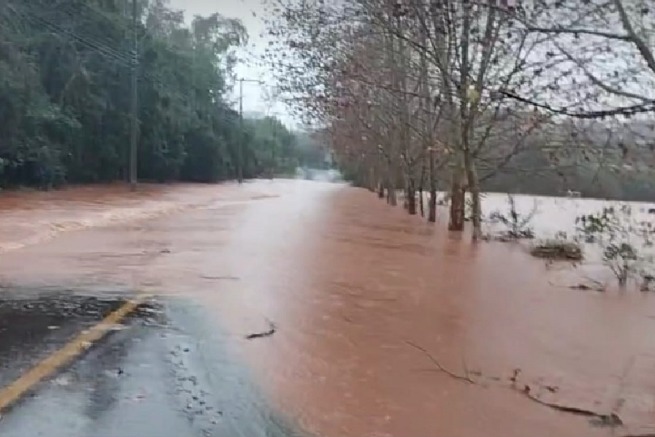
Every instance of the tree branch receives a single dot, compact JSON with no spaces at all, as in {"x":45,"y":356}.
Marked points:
{"x":624,"y":110}
{"x":438,"y":365}
{"x":562,"y":31}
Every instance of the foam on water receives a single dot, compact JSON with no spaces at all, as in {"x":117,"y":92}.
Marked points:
{"x":33,"y":218}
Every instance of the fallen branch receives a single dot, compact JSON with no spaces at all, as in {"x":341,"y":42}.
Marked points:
{"x":611,"y":419}
{"x":601,"y":286}
{"x":272,"y":330}
{"x":582,"y":287}
{"x":438,"y":365}
{"x":556,"y":250}
{"x":218,"y":278}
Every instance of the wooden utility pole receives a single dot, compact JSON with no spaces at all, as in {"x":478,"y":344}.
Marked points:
{"x":273,"y":121}
{"x":243,"y":136}
{"x":243,"y":133}
{"x":135,"y":95}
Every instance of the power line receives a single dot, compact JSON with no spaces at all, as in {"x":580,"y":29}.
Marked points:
{"x":112,"y":19}
{"x":134,"y":134}
{"x":72,"y":13}
{"x":166,"y":46}
{"x":61,"y":29}
{"x":117,"y":56}
{"x":106,"y":15}
{"x":98,"y":47}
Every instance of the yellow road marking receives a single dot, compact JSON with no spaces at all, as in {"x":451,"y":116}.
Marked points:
{"x":66,"y":354}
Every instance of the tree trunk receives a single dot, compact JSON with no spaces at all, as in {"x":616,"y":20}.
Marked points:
{"x":391,"y":198}
{"x":411,"y":198}
{"x":432,"y":205}
{"x":457,"y":203}
{"x":391,"y":193}
{"x":420,"y":200}
{"x":432,"y":212}
{"x":421,"y":184}
{"x":458,"y":198}
{"x":623,"y":277}
{"x":380,"y":190}
{"x":371,"y":180}
{"x":474,"y":188}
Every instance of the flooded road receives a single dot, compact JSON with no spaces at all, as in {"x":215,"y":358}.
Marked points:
{"x":385,"y":325}
{"x":153,"y":375}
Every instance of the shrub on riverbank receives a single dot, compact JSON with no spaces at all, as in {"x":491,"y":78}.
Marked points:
{"x":557,"y":250}
{"x":624,"y":239}
{"x":517,"y":224}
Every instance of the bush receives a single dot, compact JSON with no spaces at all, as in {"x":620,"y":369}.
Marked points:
{"x":517,"y":224}
{"x":622,"y":239}
{"x":557,"y":249}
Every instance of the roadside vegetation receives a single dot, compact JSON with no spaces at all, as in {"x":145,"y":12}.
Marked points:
{"x":549,"y":97}
{"x":66,"y":87}
{"x":471,"y":96}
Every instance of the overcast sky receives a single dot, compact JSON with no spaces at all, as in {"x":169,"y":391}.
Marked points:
{"x":254,"y":95}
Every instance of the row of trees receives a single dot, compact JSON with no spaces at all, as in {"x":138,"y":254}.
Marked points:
{"x":423,"y":94}
{"x":65,"y":69}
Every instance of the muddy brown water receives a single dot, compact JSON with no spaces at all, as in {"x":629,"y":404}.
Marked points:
{"x":350,"y":283}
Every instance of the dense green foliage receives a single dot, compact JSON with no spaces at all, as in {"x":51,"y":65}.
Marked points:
{"x":65,"y":71}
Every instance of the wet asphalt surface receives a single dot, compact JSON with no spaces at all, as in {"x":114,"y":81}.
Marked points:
{"x":165,"y":371}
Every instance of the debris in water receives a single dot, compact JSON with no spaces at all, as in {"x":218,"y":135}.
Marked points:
{"x":219,"y":278}
{"x":62,"y":381}
{"x":598,"y":419}
{"x":441,"y":368}
{"x":272,"y":330}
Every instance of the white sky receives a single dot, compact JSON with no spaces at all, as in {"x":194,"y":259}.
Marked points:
{"x":254,"y":95}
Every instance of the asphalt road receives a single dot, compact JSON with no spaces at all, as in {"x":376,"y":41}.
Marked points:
{"x":156,"y":374}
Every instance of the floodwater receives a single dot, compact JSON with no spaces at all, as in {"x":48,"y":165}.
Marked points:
{"x":356,"y":289}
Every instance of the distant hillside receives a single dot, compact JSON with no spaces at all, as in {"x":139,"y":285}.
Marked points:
{"x":599,"y":162}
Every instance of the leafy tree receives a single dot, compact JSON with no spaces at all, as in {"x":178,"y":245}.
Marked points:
{"x":65,"y":106}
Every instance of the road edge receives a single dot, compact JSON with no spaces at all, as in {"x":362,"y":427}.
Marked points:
{"x":73,"y":349}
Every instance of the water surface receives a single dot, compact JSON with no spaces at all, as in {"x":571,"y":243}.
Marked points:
{"x":349,"y":282}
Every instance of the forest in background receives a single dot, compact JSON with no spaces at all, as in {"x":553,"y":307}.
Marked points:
{"x":65,"y":97}
{"x":622,"y":167}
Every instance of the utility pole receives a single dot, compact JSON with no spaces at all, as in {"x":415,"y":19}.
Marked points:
{"x":243,"y":133}
{"x":243,"y":136}
{"x":274,"y":123}
{"x":135,"y":95}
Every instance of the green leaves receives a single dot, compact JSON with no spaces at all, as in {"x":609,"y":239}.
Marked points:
{"x":623,"y":239}
{"x":65,"y":86}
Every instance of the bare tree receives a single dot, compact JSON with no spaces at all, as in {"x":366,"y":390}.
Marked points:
{"x":453,"y":91}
